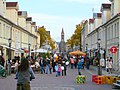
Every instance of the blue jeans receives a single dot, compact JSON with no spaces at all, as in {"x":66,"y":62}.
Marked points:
{"x":72,"y":65}
{"x":47,"y":68}
{"x":42,"y":69}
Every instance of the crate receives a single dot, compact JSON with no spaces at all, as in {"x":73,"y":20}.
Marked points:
{"x":109,"y":80}
{"x":100,"y":80}
{"x":94,"y":77}
{"x":114,"y":79}
{"x":80,"y":79}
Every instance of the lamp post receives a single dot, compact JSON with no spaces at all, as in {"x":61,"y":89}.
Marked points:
{"x":35,"y":51}
{"x":9,"y":41}
{"x":29,"y":49}
{"x":9,"y":56}
{"x":99,"y":66}
{"x":86,"y":49}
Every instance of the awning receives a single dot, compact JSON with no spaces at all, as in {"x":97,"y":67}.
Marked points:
{"x":40,"y":51}
{"x":14,"y":49}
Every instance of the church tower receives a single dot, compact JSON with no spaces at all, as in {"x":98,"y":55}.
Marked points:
{"x":62,"y":46}
{"x":62,"y":35}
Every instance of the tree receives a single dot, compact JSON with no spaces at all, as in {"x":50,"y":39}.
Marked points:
{"x":76,"y":37}
{"x":45,"y":37}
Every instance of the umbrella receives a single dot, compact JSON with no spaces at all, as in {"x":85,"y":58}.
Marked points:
{"x":78,"y":53}
{"x":40,"y":51}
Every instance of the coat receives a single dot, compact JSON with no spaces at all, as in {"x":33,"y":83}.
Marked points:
{"x":80,"y":65}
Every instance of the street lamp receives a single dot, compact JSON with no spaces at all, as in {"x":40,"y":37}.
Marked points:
{"x":29,"y":49}
{"x":35,"y":51}
{"x":86,"y":49}
{"x":9,"y":56}
{"x":99,"y":66}
{"x":9,"y":41}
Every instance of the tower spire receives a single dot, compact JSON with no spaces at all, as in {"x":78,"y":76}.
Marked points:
{"x":62,"y":35}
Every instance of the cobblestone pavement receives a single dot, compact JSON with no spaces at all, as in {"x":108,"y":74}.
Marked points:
{"x":51,"y":82}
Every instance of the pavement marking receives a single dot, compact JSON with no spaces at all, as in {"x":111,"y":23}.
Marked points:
{"x":52,"y":88}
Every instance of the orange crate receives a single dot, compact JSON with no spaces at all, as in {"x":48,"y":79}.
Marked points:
{"x":100,"y":80}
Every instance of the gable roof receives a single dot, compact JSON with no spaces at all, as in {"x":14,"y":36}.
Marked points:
{"x":29,"y":19}
{"x":91,"y":21}
{"x":11,"y":4}
{"x":105,"y":6}
{"x":22,"y":13}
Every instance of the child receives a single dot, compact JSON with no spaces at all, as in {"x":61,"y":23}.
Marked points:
{"x":59,"y":69}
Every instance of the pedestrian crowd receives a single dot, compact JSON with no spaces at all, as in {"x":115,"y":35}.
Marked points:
{"x":58,"y":63}
{"x":54,"y":63}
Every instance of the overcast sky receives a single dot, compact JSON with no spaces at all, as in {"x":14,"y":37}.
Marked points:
{"x":57,"y":14}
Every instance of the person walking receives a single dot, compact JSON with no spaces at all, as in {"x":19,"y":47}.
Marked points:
{"x":107,"y":64}
{"x":56,"y":69}
{"x":87,"y":62}
{"x":110,"y":65}
{"x":47,"y":65}
{"x":25,"y":74}
{"x":72,"y":62}
{"x":41,"y":62}
{"x":79,"y":66}
{"x":59,"y":69}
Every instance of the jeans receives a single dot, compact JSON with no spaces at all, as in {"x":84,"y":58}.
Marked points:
{"x":42,"y":69}
{"x":47,"y":68}
{"x":79,"y":73}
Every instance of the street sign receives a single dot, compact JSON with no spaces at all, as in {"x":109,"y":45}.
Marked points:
{"x":113,"y":49}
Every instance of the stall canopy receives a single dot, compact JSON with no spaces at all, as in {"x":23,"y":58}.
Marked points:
{"x":40,"y":50}
{"x":78,"y":52}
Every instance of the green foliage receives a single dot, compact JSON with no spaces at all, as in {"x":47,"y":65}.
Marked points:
{"x":76,"y":37}
{"x":44,"y":36}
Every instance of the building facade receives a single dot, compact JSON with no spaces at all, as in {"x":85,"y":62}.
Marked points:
{"x":108,"y":31}
{"x":16,"y":26}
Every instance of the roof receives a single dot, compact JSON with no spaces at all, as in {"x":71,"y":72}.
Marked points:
{"x":29,"y":19}
{"x":33,"y":23}
{"x":105,"y":6}
{"x":11,"y":4}
{"x":97,"y":15}
{"x":62,"y":31}
{"x":19,"y":12}
{"x":91,"y":20}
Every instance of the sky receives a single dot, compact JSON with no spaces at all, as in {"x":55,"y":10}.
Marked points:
{"x":57,"y":14}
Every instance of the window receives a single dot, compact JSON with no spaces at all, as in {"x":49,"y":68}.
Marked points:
{"x":108,"y":33}
{"x":112,"y":9}
{"x":112,"y":34}
{"x":117,"y":29}
{"x":4,"y":30}
{"x":0,"y":30}
{"x":7,"y":31}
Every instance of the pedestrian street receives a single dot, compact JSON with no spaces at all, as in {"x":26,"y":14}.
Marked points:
{"x":51,"y":82}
